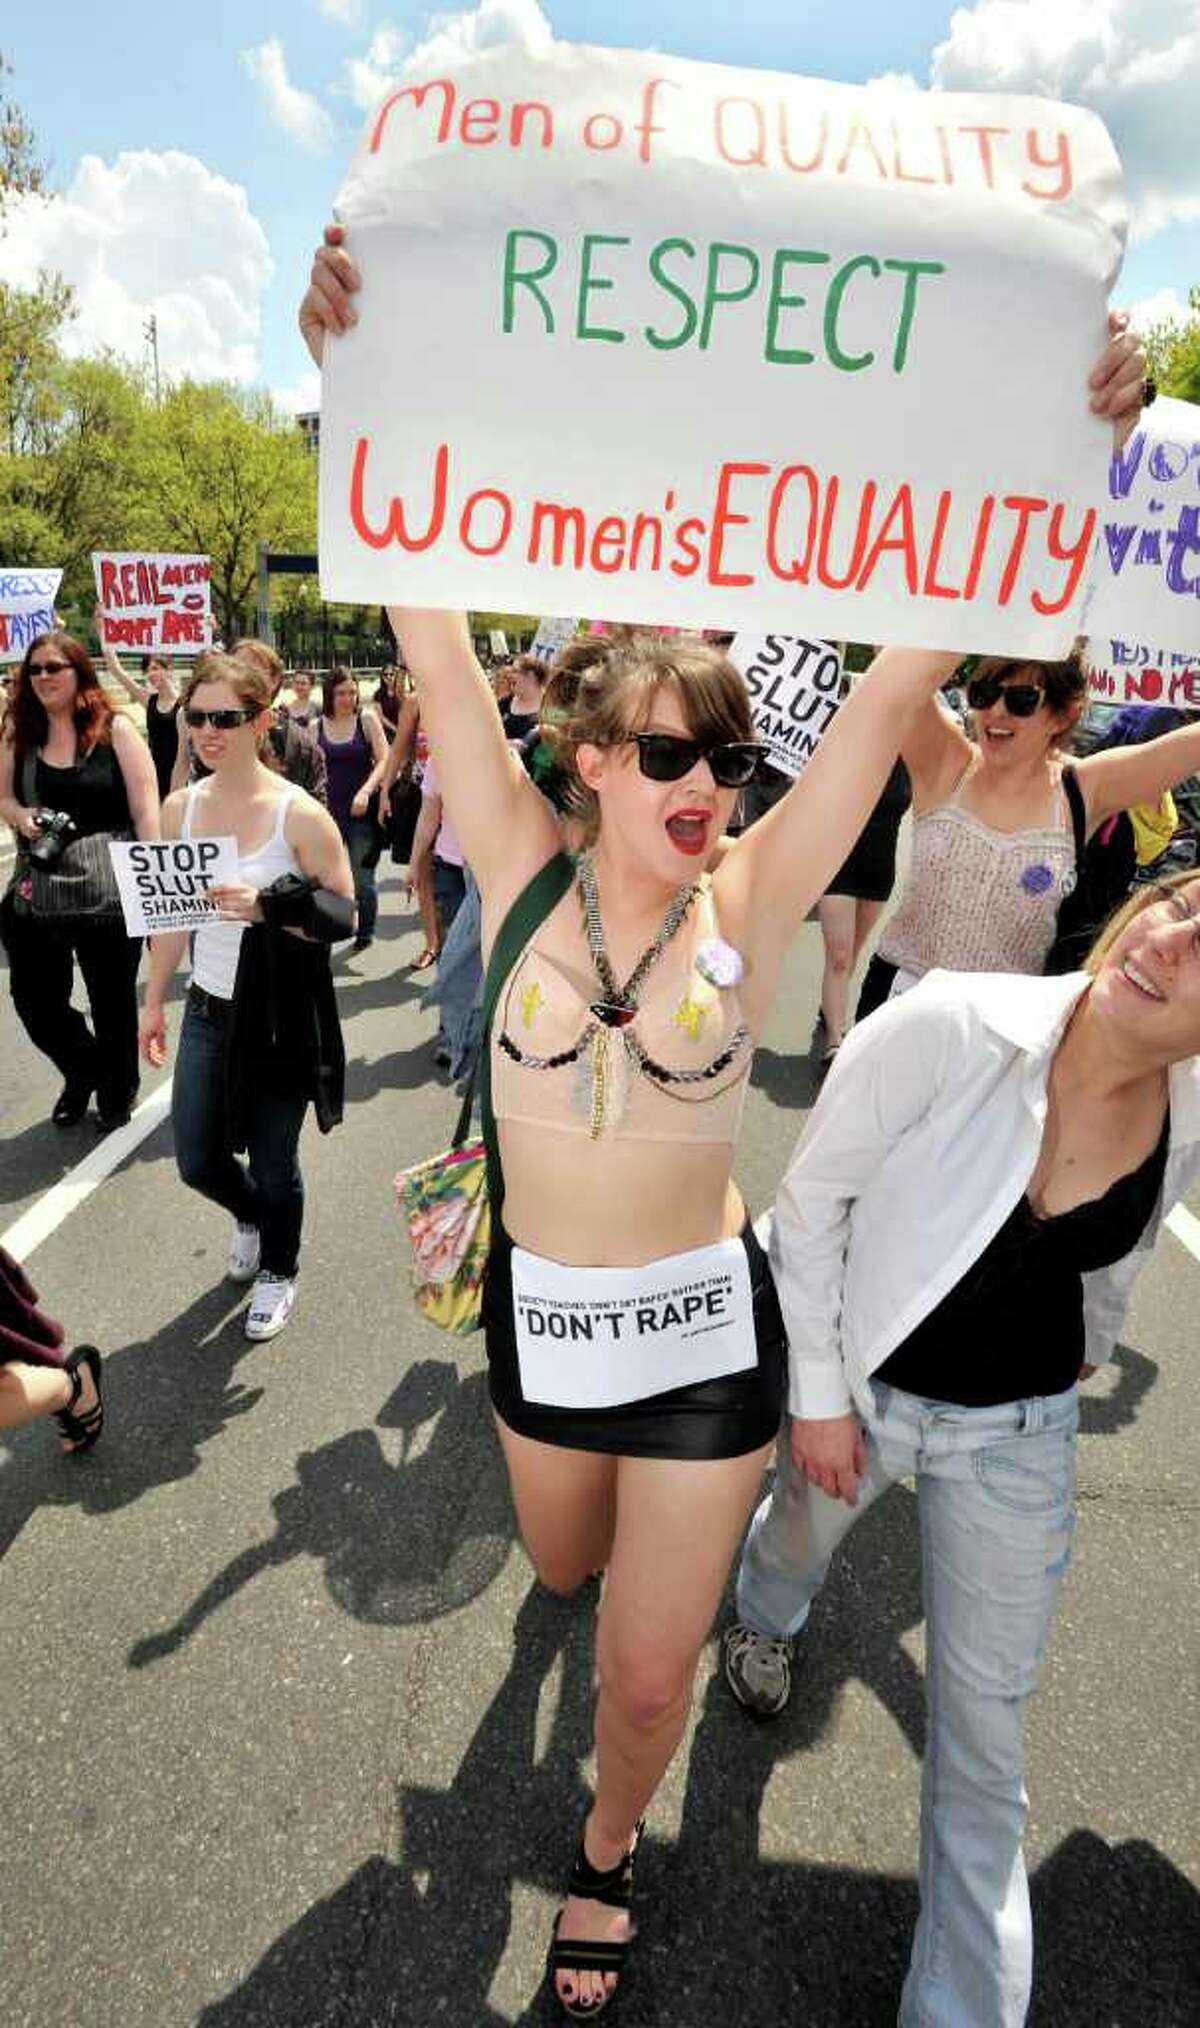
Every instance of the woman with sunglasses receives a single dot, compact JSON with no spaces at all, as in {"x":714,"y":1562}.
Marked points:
{"x":260,"y":1035}
{"x":955,"y":1243}
{"x":993,"y":844}
{"x":65,"y":754}
{"x":616,"y":1066}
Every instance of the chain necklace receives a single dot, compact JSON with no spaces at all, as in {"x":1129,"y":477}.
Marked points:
{"x":617,"y":1006}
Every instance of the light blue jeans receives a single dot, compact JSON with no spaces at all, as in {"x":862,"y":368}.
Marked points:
{"x":996,"y":1494}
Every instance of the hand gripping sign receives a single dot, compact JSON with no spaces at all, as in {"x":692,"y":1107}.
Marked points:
{"x":741,"y":350}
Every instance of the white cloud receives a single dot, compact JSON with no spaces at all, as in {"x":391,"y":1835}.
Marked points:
{"x":349,"y":12}
{"x":491,"y":25}
{"x":296,"y":112}
{"x":1165,"y":306}
{"x":367,"y":77}
{"x":1135,"y":62}
{"x":151,"y":232}
{"x":893,"y":81}
{"x":302,"y":397}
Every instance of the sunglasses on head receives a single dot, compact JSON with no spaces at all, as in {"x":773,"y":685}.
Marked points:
{"x":221,"y":721}
{"x":666,"y":757}
{"x":1021,"y":700}
{"x":48,"y":668}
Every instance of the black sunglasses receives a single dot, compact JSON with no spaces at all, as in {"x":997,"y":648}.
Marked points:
{"x":1021,"y":700}
{"x":666,"y":757}
{"x":221,"y":721}
{"x":48,"y":668}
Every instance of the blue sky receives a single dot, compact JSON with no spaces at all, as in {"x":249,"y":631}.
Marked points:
{"x":197,"y":148}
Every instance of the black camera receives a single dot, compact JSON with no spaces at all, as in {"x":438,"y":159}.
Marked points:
{"x":55,"y":832}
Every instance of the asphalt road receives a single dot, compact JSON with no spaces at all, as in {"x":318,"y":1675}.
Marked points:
{"x":293,"y":1740}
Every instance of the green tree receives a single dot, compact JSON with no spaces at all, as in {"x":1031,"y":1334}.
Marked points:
{"x":1173,"y":351}
{"x":218,"y":472}
{"x":91,"y":485}
{"x":20,"y":169}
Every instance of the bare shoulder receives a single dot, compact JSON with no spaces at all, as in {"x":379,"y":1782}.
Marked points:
{"x":306,"y":818}
{"x":172,"y":813}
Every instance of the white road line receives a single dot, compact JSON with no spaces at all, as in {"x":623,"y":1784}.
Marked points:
{"x":1186,"y":1229}
{"x":63,"y":1198}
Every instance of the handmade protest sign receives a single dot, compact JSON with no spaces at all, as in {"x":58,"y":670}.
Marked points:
{"x":156,"y":603}
{"x":1130,"y":672}
{"x":793,"y":689}
{"x":767,"y":352}
{"x":551,"y":636}
{"x":165,"y":883}
{"x":26,"y":609}
{"x":1146,"y":584}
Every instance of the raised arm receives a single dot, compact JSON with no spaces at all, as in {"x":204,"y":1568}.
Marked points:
{"x":1125,"y":775}
{"x":140,"y":692}
{"x":772,"y":876}
{"x":935,"y":751}
{"x":506,"y":829}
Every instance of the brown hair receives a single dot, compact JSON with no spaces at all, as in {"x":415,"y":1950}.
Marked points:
{"x":27,"y":723}
{"x":604,"y":685}
{"x":249,"y":682}
{"x":329,"y":683}
{"x":259,"y":656}
{"x":1141,"y":898}
{"x":1064,"y":683}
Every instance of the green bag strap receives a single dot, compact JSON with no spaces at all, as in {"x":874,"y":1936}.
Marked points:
{"x":524,"y":919}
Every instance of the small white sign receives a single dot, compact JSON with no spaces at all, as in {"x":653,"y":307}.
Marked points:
{"x":551,"y":637}
{"x":26,"y":609}
{"x":593,"y":1337}
{"x":165,"y":883}
{"x":156,"y":603}
{"x":1131,"y":672}
{"x":794,"y":692}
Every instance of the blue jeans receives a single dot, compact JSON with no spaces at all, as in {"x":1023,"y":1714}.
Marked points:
{"x":995,"y":1488}
{"x":361,"y":839}
{"x":268,"y":1191}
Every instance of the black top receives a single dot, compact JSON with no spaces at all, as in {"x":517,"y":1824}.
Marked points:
{"x":1012,"y":1327}
{"x":92,"y":792}
{"x":518,"y":724}
{"x":162,"y":732}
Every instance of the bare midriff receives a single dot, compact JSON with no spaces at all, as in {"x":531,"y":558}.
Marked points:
{"x":614,"y":1203}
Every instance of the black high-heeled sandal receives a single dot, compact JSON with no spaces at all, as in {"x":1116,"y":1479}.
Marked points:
{"x":81,"y":1431}
{"x":576,"y":1954}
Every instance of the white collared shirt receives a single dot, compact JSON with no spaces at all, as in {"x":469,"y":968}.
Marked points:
{"x":923,"y":1141}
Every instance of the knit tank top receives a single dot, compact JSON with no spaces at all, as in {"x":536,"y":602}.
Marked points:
{"x":977,"y":899}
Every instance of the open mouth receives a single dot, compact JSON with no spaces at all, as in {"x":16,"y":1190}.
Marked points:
{"x":997,"y":734}
{"x":688,"y":830}
{"x":1141,"y":984}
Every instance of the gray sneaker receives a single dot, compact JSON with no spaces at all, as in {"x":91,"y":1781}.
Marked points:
{"x":758,"y":1669}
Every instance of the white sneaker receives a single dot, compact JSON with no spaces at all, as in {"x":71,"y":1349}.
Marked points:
{"x":271,"y":1305}
{"x":245,"y":1246}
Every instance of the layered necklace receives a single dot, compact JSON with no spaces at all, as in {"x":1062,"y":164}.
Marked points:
{"x":608,"y":1049}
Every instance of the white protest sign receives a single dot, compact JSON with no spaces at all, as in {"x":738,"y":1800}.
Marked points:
{"x":1131,"y":672}
{"x":164,"y":883}
{"x":619,"y":1334}
{"x":793,"y":687}
{"x":736,"y":349}
{"x":26,"y":608}
{"x":552,"y":636}
{"x":157,"y":603}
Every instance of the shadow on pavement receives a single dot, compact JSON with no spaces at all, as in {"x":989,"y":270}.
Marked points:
{"x":400,"y":1544}
{"x":789,"y":1079}
{"x":165,"y":1398}
{"x":722,"y":1938}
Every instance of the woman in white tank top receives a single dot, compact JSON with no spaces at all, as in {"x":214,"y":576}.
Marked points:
{"x":279,"y":830}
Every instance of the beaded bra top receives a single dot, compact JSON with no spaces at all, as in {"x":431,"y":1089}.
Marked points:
{"x":671,"y":1065}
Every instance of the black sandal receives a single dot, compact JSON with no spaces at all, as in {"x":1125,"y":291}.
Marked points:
{"x":576,"y":1954}
{"x":81,"y":1431}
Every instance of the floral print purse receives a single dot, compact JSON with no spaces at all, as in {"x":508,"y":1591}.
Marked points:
{"x":449,"y":1201}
